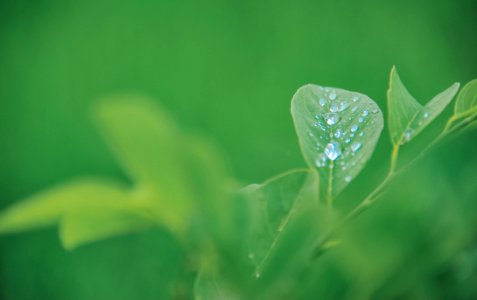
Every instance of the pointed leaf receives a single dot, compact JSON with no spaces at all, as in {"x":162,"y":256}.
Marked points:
{"x":338,"y":131}
{"x":46,"y":208}
{"x":153,"y":152}
{"x":82,"y":227}
{"x":467,"y":99}
{"x":465,"y":110}
{"x":407,"y":117}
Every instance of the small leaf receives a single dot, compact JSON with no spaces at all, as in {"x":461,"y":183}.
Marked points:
{"x":46,"y":208}
{"x":467,"y":99}
{"x":338,"y":131}
{"x":96,"y":223}
{"x":465,"y":109}
{"x":407,"y":117}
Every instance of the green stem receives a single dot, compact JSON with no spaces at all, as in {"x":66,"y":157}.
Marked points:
{"x":329,"y":196}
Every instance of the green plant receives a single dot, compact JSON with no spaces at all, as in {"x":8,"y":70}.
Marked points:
{"x":253,"y":242}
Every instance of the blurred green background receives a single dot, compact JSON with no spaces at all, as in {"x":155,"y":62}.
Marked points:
{"x":229,"y":69}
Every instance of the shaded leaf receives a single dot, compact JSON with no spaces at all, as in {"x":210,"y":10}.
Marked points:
{"x":338,"y":131}
{"x":407,"y":117}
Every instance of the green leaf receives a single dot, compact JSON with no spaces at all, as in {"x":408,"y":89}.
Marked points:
{"x":286,"y":223}
{"x":46,"y":208}
{"x":465,"y":110}
{"x":407,"y":117}
{"x":209,"y":287}
{"x":180,"y":182}
{"x":96,"y":223}
{"x":274,"y":204}
{"x":467,"y":99}
{"x":338,"y":131}
{"x":151,"y":149}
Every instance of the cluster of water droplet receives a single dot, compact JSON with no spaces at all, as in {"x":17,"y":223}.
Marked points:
{"x":340,"y":121}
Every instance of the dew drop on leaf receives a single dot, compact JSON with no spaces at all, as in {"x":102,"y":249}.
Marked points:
{"x":334,"y":107}
{"x":355,"y":146}
{"x":339,"y":133}
{"x":332,"y":118}
{"x":333,"y":150}
{"x":322,"y":101}
{"x":320,"y":161}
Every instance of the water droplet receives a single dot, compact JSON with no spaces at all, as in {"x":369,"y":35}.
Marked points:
{"x":361,"y":133}
{"x":375,"y":110}
{"x":322,"y":101}
{"x":320,"y":161}
{"x":333,"y":150}
{"x":354,"y":128}
{"x":426,"y":114}
{"x":317,"y":116}
{"x":365,"y":113}
{"x":408,"y":135}
{"x":347,"y":140}
{"x":361,"y":120}
{"x":355,"y":146}
{"x":354,"y":109}
{"x":339,"y":133}
{"x":343,"y":105}
{"x":310,"y":134}
{"x":348,"y":178}
{"x":332,"y":96}
{"x":334,"y":107}
{"x":355,"y":99}
{"x":332,"y":118}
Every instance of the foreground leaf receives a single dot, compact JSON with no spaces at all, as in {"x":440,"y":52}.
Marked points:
{"x":338,"y":131}
{"x":407,"y":117}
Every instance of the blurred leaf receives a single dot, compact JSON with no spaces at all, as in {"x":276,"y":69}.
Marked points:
{"x":82,"y":227}
{"x":338,"y":131}
{"x":48,"y":207}
{"x":407,"y":118}
{"x":180,"y":183}
{"x":152,"y":151}
{"x":465,"y":109}
{"x":208,"y":287}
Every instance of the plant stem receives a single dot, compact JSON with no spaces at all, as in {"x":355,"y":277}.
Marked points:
{"x":329,"y":197}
